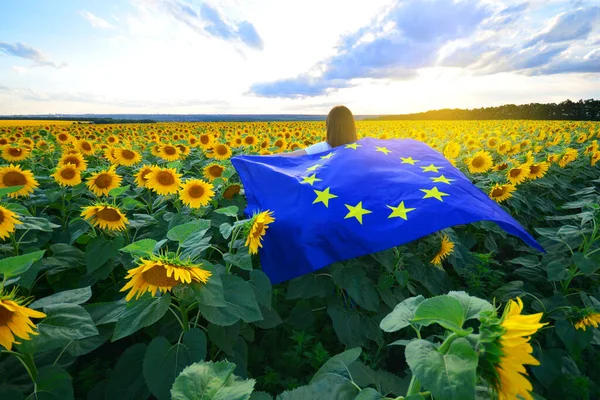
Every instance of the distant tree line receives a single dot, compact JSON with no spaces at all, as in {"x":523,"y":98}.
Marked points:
{"x":89,"y":120}
{"x":583,"y":110}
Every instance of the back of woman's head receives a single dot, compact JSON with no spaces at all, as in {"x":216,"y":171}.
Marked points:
{"x":340,"y":126}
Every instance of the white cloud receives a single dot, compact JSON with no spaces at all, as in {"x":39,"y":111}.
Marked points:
{"x":96,"y":21}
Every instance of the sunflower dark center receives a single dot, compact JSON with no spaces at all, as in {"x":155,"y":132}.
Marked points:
{"x":15,"y":151}
{"x":145,"y":174}
{"x":103,"y":181}
{"x":215,"y":171}
{"x":231,"y":191}
{"x":204,"y":139}
{"x":165,"y":178}
{"x":196,"y":191}
{"x":62,"y":137}
{"x":515,"y":172}
{"x":5,"y":315}
{"x":221,"y":150}
{"x":258,"y":228}
{"x":68,"y":173}
{"x":1,"y":217}
{"x":534,"y":169}
{"x":170,"y":150}
{"x":497,"y":192}
{"x":157,"y":276}
{"x":502,"y":166}
{"x":127,"y":154}
{"x":478,"y":162}
{"x":108,"y":214}
{"x":72,"y":160}
{"x":86,"y":146}
{"x":14,"y":178}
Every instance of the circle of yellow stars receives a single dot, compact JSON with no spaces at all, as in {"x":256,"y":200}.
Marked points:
{"x":357,"y":211}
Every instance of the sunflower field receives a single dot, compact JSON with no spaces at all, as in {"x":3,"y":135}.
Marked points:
{"x":130,"y":271}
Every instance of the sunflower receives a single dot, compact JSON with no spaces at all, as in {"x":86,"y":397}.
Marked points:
{"x":446,"y":248}
{"x":518,"y":174}
{"x":104,"y":181}
{"x":257,"y":229}
{"x":161,"y":274}
{"x":168,"y":152}
{"x":11,"y":153}
{"x":231,"y":191}
{"x":213,"y":171}
{"x":452,"y":150}
{"x":15,"y":320}
{"x":196,"y":193}
{"x":193,"y":141}
{"x":537,"y":171}
{"x":163,"y":181}
{"x":595,"y":158}
{"x":480,"y":162}
{"x":141,"y":177}
{"x":13,"y":175}
{"x":183,"y":149}
{"x":85,"y":147}
{"x":492,"y":142}
{"x":221,"y":152}
{"x":592,"y":319}
{"x":280,"y":144}
{"x":507,"y":350}
{"x":64,"y":138}
{"x":67,"y":175}
{"x":501,"y":167}
{"x":568,"y":157}
{"x":112,"y":139}
{"x":105,"y":216}
{"x":500,"y":193}
{"x":127,"y":157}
{"x":75,"y":159}
{"x":205,"y":140}
{"x":250,"y":140}
{"x":8,"y":220}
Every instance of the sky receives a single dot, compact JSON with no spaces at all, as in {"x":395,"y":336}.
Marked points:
{"x":296,"y":57}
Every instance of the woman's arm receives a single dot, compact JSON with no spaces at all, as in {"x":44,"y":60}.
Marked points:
{"x":295,"y":153}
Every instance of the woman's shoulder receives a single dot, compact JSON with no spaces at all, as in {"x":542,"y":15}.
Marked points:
{"x":317,"y":148}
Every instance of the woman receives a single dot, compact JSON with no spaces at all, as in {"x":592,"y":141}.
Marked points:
{"x":340,"y":130}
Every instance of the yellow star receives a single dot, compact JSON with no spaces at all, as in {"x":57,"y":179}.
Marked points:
{"x":327,"y":157}
{"x":314,"y":167}
{"x":408,"y":160}
{"x":310,"y":179}
{"x":400,"y":211}
{"x":431,"y":168}
{"x":435,"y":193}
{"x":353,"y":146}
{"x":384,"y":150}
{"x":443,"y":179}
{"x":357,"y":212}
{"x":323,"y":196}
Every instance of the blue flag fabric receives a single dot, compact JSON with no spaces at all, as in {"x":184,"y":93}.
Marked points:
{"x":359,"y":199}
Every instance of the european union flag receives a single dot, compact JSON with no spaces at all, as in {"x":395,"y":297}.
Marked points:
{"x":358,"y":199}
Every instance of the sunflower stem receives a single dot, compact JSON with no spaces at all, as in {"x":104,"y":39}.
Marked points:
{"x":414,"y":386}
{"x":446,"y":345}
{"x":15,"y":244}
{"x":32,"y":372}
{"x":184,"y":316}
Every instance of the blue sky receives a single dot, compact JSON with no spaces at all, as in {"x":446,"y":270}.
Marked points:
{"x":287,"y":56}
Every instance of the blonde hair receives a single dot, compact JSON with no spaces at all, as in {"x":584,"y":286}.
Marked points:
{"x":340,"y":126}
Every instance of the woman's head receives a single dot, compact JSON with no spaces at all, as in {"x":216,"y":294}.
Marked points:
{"x":340,"y":126}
